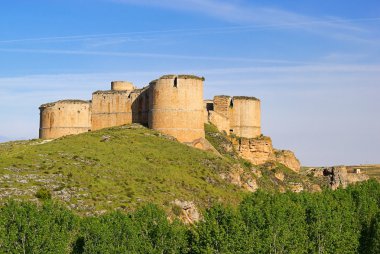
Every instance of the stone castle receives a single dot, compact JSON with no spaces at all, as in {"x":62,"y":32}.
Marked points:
{"x":172,"y":104}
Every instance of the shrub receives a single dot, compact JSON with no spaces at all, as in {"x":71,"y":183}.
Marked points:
{"x":43,"y":194}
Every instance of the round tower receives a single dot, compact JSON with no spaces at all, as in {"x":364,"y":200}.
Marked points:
{"x":64,"y":117}
{"x":122,"y":86}
{"x":176,"y":106}
{"x":246,"y":117}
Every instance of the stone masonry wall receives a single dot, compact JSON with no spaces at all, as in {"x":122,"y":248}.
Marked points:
{"x":111,"y":108}
{"x":176,"y":107}
{"x":63,"y":118}
{"x":222,"y":105}
{"x":245,"y":120}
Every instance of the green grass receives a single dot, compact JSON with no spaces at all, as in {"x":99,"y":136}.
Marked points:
{"x":136,"y":166}
{"x":131,"y":167}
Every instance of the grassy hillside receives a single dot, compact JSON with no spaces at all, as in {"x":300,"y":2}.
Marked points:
{"x":117,"y":167}
{"x":124,"y":167}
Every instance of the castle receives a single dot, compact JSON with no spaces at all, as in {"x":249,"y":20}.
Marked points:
{"x":172,"y":104}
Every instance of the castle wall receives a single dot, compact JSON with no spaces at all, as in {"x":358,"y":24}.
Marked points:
{"x":111,"y":108}
{"x":222,"y":105}
{"x":246,"y":117}
{"x":63,"y":118}
{"x":176,"y":107}
{"x":140,"y":106}
{"x":220,"y":121}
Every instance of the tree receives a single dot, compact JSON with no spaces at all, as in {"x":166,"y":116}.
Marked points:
{"x":26,"y":228}
{"x":276,"y":223}
{"x":222,"y":231}
{"x":374,"y":236}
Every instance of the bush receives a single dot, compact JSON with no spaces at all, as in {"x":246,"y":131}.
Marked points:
{"x":43,"y":194}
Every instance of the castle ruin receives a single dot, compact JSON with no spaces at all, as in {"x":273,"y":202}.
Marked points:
{"x":172,"y":104}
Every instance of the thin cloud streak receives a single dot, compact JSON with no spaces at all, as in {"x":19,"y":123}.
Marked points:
{"x":148,"y":55}
{"x":306,"y":67}
{"x":243,"y":13}
{"x":128,"y":36}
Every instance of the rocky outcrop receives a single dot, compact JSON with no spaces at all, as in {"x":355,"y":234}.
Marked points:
{"x":189,"y":213}
{"x":238,"y":177}
{"x":256,"y":150}
{"x":288,"y":158}
{"x":260,"y":150}
{"x":339,"y":177}
{"x":296,"y":187}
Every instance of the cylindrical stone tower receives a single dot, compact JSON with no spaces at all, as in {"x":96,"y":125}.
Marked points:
{"x":176,"y":106}
{"x":122,"y":86}
{"x":64,"y":117}
{"x":246,"y":117}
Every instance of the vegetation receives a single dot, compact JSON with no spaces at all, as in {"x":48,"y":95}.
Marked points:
{"x":43,"y":194}
{"x":342,"y":221}
{"x":117,"y":168}
{"x":267,"y":179}
{"x":126,"y":167}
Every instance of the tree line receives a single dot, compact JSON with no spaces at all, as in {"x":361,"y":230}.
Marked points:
{"x":341,"y":221}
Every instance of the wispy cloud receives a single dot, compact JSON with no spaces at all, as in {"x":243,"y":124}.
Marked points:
{"x":246,"y":19}
{"x":143,"y":55}
{"x":243,"y":12}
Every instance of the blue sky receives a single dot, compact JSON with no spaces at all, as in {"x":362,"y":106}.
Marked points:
{"x":314,"y":64}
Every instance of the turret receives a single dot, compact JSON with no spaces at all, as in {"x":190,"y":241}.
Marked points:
{"x":176,"y":106}
{"x":246,"y":117}
{"x":64,"y":117}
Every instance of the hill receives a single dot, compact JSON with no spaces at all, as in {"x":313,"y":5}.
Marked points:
{"x":125,"y":167}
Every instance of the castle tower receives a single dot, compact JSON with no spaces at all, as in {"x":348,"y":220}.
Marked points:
{"x":176,"y":106}
{"x":122,"y":86}
{"x":112,"y":107}
{"x":64,"y":117}
{"x":246,"y":117}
